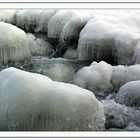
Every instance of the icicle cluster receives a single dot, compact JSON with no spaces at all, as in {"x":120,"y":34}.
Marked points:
{"x":14,"y":44}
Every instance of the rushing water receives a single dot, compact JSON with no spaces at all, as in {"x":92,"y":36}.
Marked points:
{"x":57,"y":69}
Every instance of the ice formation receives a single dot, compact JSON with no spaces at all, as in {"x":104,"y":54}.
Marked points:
{"x":96,"y":77}
{"x":30,"y":101}
{"x":119,"y":116}
{"x":102,"y":77}
{"x":27,"y":19}
{"x":110,"y":37}
{"x":137,"y":53}
{"x":129,"y":94}
{"x":57,"y":22}
{"x":71,"y":30}
{"x":95,"y":42}
{"x":125,"y":43}
{"x":38,"y":46}
{"x":13,"y":43}
{"x":43,"y":19}
{"x":132,"y":127}
{"x":7,"y":16}
{"x":123,"y":74}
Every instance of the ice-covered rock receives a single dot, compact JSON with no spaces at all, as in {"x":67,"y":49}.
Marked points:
{"x":96,"y":77}
{"x":132,"y":127}
{"x":27,"y":19}
{"x":71,"y":30}
{"x":39,"y":47}
{"x":43,"y":19}
{"x":102,"y":77}
{"x":124,"y":47}
{"x":13,"y":43}
{"x":137,"y":53}
{"x":57,"y":22}
{"x":110,"y":36}
{"x":119,"y":116}
{"x":96,"y":40}
{"x":129,"y":94}
{"x":30,"y":101}
{"x":123,"y":74}
{"x":7,"y":16}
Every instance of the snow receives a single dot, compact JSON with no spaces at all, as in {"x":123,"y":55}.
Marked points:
{"x":30,"y":101}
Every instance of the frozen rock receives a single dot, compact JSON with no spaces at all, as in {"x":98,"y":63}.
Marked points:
{"x":30,"y":101}
{"x":14,"y":44}
{"x":129,"y":94}
{"x":38,"y":46}
{"x":119,"y":116}
{"x":96,"y":77}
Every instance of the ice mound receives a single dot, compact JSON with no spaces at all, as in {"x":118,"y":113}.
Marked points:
{"x":96,"y":40}
{"x":38,"y":46}
{"x":43,"y":19}
{"x":119,"y":116}
{"x":13,"y":43}
{"x":27,"y":19}
{"x":7,"y":16}
{"x":129,"y":94}
{"x":96,"y":77}
{"x":30,"y":101}
{"x":71,"y":30}
{"x":111,"y":37}
{"x":57,"y":22}
{"x":102,"y":78}
{"x":123,"y":74}
{"x":125,"y":43}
